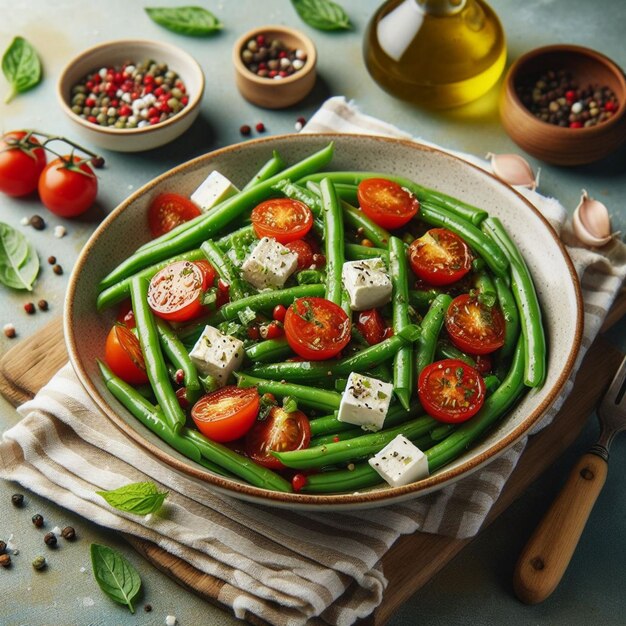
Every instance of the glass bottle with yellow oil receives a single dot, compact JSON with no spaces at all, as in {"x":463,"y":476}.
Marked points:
{"x":436,"y":53}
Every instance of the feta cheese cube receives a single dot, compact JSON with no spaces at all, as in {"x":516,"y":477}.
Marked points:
{"x":367,"y":283}
{"x":216,"y":354}
{"x":269,"y":264}
{"x":400,"y":462}
{"x":215,"y":189}
{"x":365,"y":402}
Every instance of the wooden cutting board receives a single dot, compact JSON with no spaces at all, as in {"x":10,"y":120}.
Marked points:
{"x":414,"y":559}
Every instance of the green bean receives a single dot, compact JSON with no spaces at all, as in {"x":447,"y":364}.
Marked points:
{"x":120,"y":291}
{"x":335,"y":257}
{"x":315,"y":371}
{"x":359,"y":476}
{"x":311,"y":397}
{"x":348,"y":193}
{"x":486,"y":289}
{"x":212,"y":222}
{"x":268,"y":170}
{"x":243,"y":236}
{"x":492,"y":382}
{"x":241,"y":466}
{"x":300,"y":193}
{"x":403,"y":376}
{"x":269,"y":350}
{"x":147,"y":413}
{"x":353,"y":449}
{"x":322,"y":440}
{"x":527,"y":303}
{"x":173,"y":348}
{"x":225,"y":269}
{"x":153,"y":357}
{"x":460,"y":208}
{"x":431,"y":327}
{"x":508,"y":306}
{"x":355,"y":252}
{"x":421,"y":299}
{"x":492,"y":410}
{"x":445,"y":350}
{"x":483,"y":245}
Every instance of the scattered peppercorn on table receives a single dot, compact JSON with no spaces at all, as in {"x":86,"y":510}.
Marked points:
{"x":60,"y":594}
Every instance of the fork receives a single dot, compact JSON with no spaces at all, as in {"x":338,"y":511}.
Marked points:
{"x":550,"y":548}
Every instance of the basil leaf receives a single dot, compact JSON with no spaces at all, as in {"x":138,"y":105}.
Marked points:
{"x":193,"y":21}
{"x":19,"y":263}
{"x":322,"y":14}
{"x":21,"y":67}
{"x":139,"y":498}
{"x":115,"y":575}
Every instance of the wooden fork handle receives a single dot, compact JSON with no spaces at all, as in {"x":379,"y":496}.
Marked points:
{"x":549,"y":550}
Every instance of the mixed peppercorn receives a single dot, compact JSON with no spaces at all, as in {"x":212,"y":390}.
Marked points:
{"x":557,"y":98}
{"x":272,"y":58}
{"x":129,"y":96}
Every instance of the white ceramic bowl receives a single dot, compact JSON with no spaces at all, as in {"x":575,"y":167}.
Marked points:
{"x":135,"y":50}
{"x":126,"y":228}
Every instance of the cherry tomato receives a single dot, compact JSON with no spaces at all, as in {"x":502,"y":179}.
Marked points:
{"x":175,"y":293}
{"x":304,"y":252}
{"x":440,"y":257}
{"x":386,"y":203}
{"x":209,"y":272}
{"x":283,"y":219}
{"x":474,"y":327}
{"x":254,"y":333}
{"x":226,"y":414}
{"x":280,"y":432}
{"x":279,"y":312}
{"x":169,"y":210}
{"x":67,"y":187}
{"x":450,"y":390}
{"x":125,"y":315}
{"x":298,"y":482}
{"x":21,"y":163}
{"x":370,"y":324}
{"x":181,"y":396}
{"x":316,"y":328}
{"x":483,"y":363}
{"x":273,"y":330}
{"x":123,"y":355}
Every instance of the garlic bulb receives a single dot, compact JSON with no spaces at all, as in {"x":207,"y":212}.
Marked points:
{"x":513,"y":169}
{"x":591,"y":222}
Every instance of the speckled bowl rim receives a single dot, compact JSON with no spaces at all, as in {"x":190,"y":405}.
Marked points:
{"x":379,"y":497}
{"x":194,"y":100}
{"x":518,"y":66}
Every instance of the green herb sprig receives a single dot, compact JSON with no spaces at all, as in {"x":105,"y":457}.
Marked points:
{"x":140,"y":498}
{"x":21,"y":67}
{"x":191,"y":21}
{"x":117,"y":578}
{"x":19,"y":263}
{"x":322,"y":14}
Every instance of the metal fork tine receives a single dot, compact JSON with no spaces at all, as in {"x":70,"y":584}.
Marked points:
{"x":615,"y":393}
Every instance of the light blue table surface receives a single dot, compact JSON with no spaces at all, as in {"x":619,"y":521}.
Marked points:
{"x":476,"y":587}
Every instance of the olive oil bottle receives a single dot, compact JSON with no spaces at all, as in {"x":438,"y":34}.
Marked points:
{"x":435,"y":53}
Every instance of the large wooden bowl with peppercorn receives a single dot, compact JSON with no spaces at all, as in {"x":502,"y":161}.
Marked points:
{"x":131,"y":95}
{"x":565,"y":104}
{"x":126,"y":228}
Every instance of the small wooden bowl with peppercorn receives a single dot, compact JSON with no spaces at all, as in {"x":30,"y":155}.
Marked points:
{"x":274,"y":66}
{"x":565,"y":104}
{"x":131,"y":95}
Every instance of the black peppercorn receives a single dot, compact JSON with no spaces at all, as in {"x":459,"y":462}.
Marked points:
{"x":5,"y":560}
{"x":38,"y":520}
{"x":17,"y":499}
{"x":3,"y":546}
{"x":245,"y":130}
{"x":37,"y":222}
{"x":43,"y":305}
{"x":52,"y":260}
{"x":57,"y":269}
{"x":68,"y":533}
{"x":147,"y":608}
{"x":50,"y":539}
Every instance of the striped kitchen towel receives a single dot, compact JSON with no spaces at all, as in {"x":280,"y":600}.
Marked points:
{"x":282,"y":567}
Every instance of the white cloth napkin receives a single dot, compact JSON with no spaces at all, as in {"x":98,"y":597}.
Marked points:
{"x":283,"y":567}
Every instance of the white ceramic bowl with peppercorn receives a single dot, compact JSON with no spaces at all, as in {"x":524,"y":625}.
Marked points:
{"x":591,"y":101}
{"x":279,"y":86}
{"x":136,"y":108}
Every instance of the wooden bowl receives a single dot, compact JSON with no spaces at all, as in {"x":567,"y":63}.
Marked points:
{"x":273,"y":93}
{"x":136,"y":50}
{"x":555,"y":144}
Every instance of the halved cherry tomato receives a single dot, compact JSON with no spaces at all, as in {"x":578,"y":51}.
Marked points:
{"x":123,"y":355}
{"x":440,"y":257}
{"x":371,"y":325}
{"x":209,"y":272}
{"x":175,"y":293}
{"x":450,"y":390}
{"x":169,"y":210}
{"x":280,"y":432}
{"x":474,"y":327}
{"x":304,"y":252}
{"x":316,"y":328}
{"x":21,"y":163}
{"x":283,"y":219}
{"x":386,"y":203}
{"x":226,"y":414}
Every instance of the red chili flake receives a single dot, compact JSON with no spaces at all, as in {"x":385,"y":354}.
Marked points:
{"x":245,"y":130}
{"x":29,"y":307}
{"x":298,"y":482}
{"x":260,"y":127}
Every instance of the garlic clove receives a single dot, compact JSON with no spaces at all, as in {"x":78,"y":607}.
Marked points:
{"x":513,"y":169}
{"x":591,"y":222}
